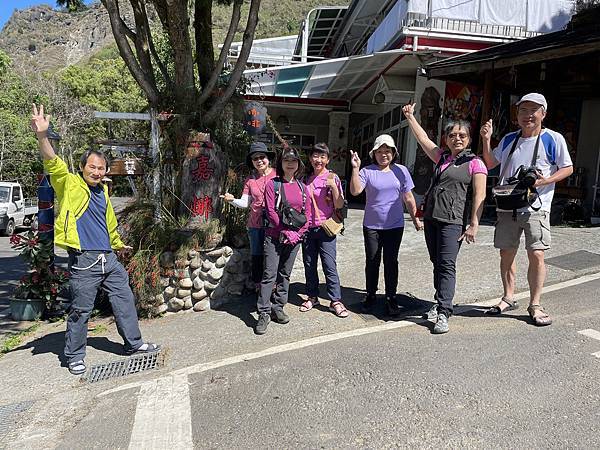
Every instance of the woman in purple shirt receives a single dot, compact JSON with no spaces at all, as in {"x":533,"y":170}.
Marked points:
{"x":282,"y":241}
{"x":388,"y":188}
{"x":325,"y":192}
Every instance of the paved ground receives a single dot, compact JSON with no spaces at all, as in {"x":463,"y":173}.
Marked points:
{"x":364,"y":381}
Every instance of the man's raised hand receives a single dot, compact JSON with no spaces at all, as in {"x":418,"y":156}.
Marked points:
{"x":487,"y":130}
{"x":39,"y":121}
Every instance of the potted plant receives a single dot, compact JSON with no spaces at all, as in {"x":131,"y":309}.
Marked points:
{"x":39,"y":287}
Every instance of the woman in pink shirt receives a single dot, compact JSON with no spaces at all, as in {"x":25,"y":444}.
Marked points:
{"x":253,"y":196}
{"x":282,"y":240}
{"x":452,"y":207}
{"x":325,"y":192}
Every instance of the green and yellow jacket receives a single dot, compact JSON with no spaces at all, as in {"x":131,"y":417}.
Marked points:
{"x":73,"y":196}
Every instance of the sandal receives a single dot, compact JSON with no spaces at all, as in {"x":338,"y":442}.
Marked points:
{"x":541,"y":319}
{"x":496,"y":310}
{"x":146,"y":347}
{"x":309,"y":304}
{"x":338,"y":309}
{"x":77,"y":367}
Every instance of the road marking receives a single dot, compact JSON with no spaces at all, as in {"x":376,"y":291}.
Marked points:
{"x":594,"y":335}
{"x":203,"y":367}
{"x":163,"y":417}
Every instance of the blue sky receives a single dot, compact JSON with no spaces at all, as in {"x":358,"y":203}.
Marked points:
{"x":8,"y":6}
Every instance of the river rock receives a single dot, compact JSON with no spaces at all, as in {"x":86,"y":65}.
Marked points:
{"x":169,"y":292}
{"x":195,"y":263}
{"x":202,"y":305}
{"x":227,"y":251}
{"x":192,"y":254}
{"x":185,"y":283}
{"x":187,"y":302}
{"x":166,"y":259}
{"x":199,"y":295}
{"x":221,"y":262}
{"x":207,"y":265}
{"x":215,"y":274}
{"x":165,"y":281}
{"x":176,"y":304}
{"x":198,"y":284}
{"x":215,"y":253}
{"x":159,"y":298}
{"x":210,"y":286}
{"x":182,"y":293}
{"x":162,"y":308}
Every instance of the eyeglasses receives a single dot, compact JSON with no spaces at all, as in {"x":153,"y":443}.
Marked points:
{"x":458,"y":135}
{"x":259,"y":157}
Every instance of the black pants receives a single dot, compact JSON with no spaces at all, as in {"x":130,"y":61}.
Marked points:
{"x":279,"y":262}
{"x":376,"y":243}
{"x":443,"y":246}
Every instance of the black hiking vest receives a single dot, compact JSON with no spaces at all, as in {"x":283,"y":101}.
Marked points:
{"x":448,"y":198}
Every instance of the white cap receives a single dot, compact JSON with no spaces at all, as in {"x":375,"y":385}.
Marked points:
{"x":383,"y":139}
{"x":535,"y":98}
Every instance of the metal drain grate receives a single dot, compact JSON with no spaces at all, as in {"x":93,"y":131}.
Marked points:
{"x":579,"y":260}
{"x":8,"y":411}
{"x":123,"y":367}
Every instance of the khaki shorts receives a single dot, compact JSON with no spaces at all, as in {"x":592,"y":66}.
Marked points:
{"x":536,"y":226}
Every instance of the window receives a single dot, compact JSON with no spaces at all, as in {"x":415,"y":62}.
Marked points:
{"x":379,"y":124}
{"x":371,"y":130}
{"x":387,"y":118}
{"x":365,"y":133}
{"x":396,"y":115}
{"x":307,"y":141}
{"x":16,"y":195}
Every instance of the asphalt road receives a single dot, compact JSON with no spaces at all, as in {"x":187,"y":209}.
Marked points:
{"x":492,"y":382}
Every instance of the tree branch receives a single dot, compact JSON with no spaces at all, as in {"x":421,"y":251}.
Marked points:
{"x":142,"y":41}
{"x":240,"y":64}
{"x":147,"y":84}
{"x":233,"y":24}
{"x":205,"y":57}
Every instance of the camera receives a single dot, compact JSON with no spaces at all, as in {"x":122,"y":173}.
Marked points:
{"x":526,"y":176}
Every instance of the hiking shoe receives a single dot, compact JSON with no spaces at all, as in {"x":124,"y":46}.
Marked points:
{"x":392,"y":305}
{"x":77,"y":367}
{"x":279,"y":316}
{"x":441,"y":326}
{"x":263,"y":323}
{"x":368,"y":303}
{"x":432,"y":314}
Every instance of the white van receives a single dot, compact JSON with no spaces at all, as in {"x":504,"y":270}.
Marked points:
{"x":16,"y":211}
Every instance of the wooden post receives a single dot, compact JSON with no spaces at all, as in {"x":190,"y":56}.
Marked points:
{"x":486,"y":110}
{"x":155,"y":153}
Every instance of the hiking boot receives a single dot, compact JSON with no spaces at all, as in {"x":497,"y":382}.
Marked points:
{"x":263,"y":323}
{"x":441,"y":326}
{"x":392,"y":305}
{"x":279,"y":316}
{"x":432,"y":314}
{"x":368,"y":303}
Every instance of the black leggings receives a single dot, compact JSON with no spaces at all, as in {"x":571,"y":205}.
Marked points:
{"x":376,"y":242}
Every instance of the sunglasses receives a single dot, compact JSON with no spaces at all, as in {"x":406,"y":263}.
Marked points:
{"x":259,"y":157}
{"x":458,"y":135}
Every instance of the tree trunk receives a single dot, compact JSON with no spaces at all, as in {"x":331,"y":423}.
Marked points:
{"x":205,"y":57}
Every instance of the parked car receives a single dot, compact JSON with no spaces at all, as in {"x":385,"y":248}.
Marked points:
{"x":16,"y":211}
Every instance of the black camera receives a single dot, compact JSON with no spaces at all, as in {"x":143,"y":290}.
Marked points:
{"x":526,"y":176}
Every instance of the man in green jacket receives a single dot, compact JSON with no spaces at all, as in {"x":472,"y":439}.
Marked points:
{"x":87,"y":228}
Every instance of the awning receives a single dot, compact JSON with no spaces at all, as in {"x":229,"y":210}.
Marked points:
{"x":341,"y":78}
{"x":573,"y":41}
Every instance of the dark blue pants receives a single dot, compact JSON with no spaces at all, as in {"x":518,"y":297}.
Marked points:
{"x":318,"y":243}
{"x":443,"y":246}
{"x":114,"y":279}
{"x":257,"y":242}
{"x":376,"y":243}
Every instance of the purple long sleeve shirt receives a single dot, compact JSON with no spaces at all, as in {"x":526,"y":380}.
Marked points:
{"x":293,"y":195}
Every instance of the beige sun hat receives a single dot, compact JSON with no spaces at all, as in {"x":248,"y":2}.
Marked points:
{"x":383,"y":139}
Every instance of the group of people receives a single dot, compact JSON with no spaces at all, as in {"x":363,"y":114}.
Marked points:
{"x":290,"y":206}
{"x":451,"y":210}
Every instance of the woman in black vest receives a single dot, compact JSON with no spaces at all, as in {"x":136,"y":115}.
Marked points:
{"x":451,"y":208}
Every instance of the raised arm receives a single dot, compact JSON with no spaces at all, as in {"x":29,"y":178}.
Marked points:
{"x":486,"y":138}
{"x":428,"y":146}
{"x":39,"y":124}
{"x":356,"y":186}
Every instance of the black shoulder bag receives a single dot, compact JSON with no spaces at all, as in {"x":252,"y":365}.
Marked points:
{"x":517,"y":192}
{"x":290,"y":217}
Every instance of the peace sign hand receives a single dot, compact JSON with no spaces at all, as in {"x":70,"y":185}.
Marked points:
{"x":354,"y":160}
{"x":39,"y":121}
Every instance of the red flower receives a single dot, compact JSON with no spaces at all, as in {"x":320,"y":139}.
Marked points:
{"x":15,"y":239}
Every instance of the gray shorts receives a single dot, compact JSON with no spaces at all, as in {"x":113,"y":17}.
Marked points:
{"x":536,"y":226}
